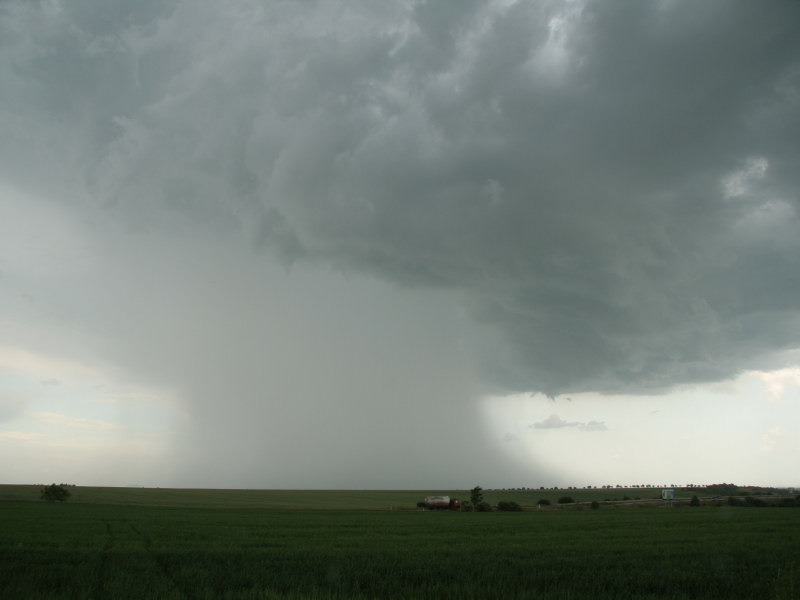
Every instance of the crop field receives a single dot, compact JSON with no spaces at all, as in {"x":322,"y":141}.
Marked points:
{"x":320,"y":499}
{"x":93,"y":550}
{"x":264,"y":499}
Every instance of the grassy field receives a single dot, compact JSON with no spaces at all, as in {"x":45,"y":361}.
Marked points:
{"x":89,"y":549}
{"x":318,"y":499}
{"x":266,"y":499}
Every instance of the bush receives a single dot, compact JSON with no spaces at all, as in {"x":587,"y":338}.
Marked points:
{"x":750,"y":501}
{"x":566,"y":500}
{"x":595,"y":505}
{"x":55,"y":493}
{"x":695,"y":501}
{"x":466,"y":506}
{"x":543,"y":502}
{"x":484,"y":507}
{"x":508,"y":506}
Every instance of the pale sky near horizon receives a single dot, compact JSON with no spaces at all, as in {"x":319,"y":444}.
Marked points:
{"x":407,"y":244}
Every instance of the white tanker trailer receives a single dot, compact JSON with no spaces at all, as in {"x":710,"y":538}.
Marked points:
{"x":442,"y":503}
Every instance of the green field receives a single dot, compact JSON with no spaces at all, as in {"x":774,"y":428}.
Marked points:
{"x":88,"y":549}
{"x":267,"y":499}
{"x":320,"y":499}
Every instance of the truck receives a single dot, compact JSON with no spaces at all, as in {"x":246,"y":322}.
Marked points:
{"x":442,"y":503}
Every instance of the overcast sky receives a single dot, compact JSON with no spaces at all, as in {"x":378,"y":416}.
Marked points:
{"x":404,"y":244}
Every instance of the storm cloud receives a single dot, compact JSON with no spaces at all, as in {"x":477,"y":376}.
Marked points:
{"x":564,"y":196}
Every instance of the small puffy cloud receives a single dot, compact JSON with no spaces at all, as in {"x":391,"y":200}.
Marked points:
{"x":769,"y":439}
{"x":777,"y":382}
{"x":593,"y":426}
{"x":556,"y":422}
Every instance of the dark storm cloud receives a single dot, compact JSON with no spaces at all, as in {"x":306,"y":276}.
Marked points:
{"x":612,"y":185}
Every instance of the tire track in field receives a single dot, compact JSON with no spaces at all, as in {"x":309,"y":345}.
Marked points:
{"x":102,"y":568}
{"x":175,"y":586}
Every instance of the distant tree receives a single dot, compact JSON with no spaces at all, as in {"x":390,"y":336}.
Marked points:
{"x":565,"y":500}
{"x":723,"y":489}
{"x":508,"y":506}
{"x":476,"y":495}
{"x":55,"y":493}
{"x":695,"y":501}
{"x":483,"y":507}
{"x":543,"y":502}
{"x":466,"y":506}
{"x":595,"y":505}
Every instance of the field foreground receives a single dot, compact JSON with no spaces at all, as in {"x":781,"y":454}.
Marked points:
{"x":84,"y":550}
